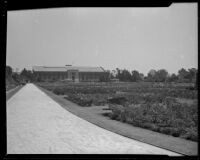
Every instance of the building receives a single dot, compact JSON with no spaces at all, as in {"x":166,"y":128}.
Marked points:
{"x":70,"y":73}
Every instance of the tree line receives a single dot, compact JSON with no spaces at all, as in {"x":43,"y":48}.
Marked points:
{"x":183,"y":76}
{"x":161,"y":75}
{"x":24,"y":75}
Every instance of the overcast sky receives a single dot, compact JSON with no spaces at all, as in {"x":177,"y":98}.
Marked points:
{"x":132,"y":38}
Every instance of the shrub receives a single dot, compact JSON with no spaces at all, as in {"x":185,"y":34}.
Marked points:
{"x":79,"y":100}
{"x":165,"y":130}
{"x":59,"y":91}
{"x":170,"y":100}
{"x":191,"y":88}
{"x":117,"y":110}
{"x":117,"y":100}
{"x":178,"y":123}
{"x":175,"y":132}
{"x":191,"y":134}
{"x":146,"y":125}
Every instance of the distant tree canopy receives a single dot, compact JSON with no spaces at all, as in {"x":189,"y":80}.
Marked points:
{"x":157,"y":76}
{"x":187,"y":76}
{"x":172,"y":78}
{"x":126,"y":76}
{"x":192,"y":74}
{"x":8,"y":71}
{"x":162,"y":75}
{"x":183,"y":74}
{"x":135,"y":76}
{"x":16,"y":77}
{"x":196,"y":80}
{"x":11,"y":77}
{"x":151,"y":76}
{"x":27,"y":74}
{"x":106,"y":77}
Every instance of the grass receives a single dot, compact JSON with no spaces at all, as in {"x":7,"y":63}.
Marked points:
{"x":11,"y":93}
{"x":9,"y":87}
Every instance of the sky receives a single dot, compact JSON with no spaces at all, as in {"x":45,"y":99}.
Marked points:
{"x":127,"y":38}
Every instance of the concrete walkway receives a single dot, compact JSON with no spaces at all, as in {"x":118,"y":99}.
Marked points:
{"x":38,"y":125}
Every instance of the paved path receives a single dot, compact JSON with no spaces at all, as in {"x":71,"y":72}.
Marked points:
{"x":38,"y":125}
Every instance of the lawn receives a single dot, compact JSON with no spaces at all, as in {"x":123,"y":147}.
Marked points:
{"x":170,"y":108}
{"x":9,"y":87}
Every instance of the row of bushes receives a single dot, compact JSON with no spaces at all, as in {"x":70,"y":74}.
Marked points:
{"x":93,"y":89}
{"x":101,"y":98}
{"x":133,"y":97}
{"x":179,"y":120}
{"x":178,"y":93}
{"x":79,"y":101}
{"x":88,"y":99}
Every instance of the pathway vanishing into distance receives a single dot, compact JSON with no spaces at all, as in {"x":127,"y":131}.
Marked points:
{"x":36,"y":124}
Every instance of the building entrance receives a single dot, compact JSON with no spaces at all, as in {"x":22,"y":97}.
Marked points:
{"x":73,"y":75}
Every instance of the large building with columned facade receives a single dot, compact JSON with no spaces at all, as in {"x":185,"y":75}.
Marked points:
{"x":70,"y":73}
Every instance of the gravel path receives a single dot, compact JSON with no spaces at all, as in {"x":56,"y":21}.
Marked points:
{"x":38,"y":125}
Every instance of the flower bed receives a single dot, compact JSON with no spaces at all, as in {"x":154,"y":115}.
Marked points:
{"x":152,"y":107}
{"x":179,"y":120}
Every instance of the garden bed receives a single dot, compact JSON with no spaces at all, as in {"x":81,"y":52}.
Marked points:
{"x":160,"y":109}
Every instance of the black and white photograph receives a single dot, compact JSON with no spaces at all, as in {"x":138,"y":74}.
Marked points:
{"x":102,"y":80}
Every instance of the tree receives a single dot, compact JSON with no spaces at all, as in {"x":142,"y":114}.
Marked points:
{"x":24,"y":72}
{"x":135,"y":76}
{"x":161,"y":75}
{"x":17,"y":78}
{"x":105,"y":77}
{"x":192,"y":74}
{"x":8,"y":71}
{"x":109,"y":73}
{"x":113,"y":73}
{"x":27,"y":74}
{"x":183,"y":75}
{"x":125,"y":75}
{"x":173,"y":78}
{"x":142,"y":76}
{"x":196,"y":83}
{"x":118,"y":74}
{"x":151,"y":75}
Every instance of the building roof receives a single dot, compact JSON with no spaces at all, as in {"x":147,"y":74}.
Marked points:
{"x":66,"y":68}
